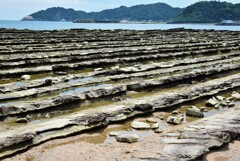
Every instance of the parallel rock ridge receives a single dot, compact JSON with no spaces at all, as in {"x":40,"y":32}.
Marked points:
{"x":58,"y":83}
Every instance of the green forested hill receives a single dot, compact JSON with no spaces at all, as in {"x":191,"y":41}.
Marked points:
{"x":156,"y":12}
{"x":209,"y":12}
{"x":200,"y":12}
{"x":57,"y":14}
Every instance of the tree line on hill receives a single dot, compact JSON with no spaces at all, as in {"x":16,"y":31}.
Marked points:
{"x":200,"y":12}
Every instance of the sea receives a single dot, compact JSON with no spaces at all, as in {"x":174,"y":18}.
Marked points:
{"x":49,"y":25}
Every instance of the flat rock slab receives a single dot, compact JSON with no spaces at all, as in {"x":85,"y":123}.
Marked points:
{"x":152,"y":120}
{"x":140,"y":125}
{"x":127,"y":138}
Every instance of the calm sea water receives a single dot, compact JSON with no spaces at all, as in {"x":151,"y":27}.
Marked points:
{"x":41,"y":25}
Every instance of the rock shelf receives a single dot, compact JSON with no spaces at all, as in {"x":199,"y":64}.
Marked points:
{"x":83,"y":79}
{"x":200,"y":137}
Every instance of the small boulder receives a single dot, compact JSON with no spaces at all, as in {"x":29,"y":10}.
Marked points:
{"x":235,"y":95}
{"x":223,"y":103}
{"x":174,"y":120}
{"x":22,"y":120}
{"x":26,"y":77}
{"x":211,"y":102}
{"x":194,"y":112}
{"x":220,"y":98}
{"x":127,"y":138}
{"x":228,"y":100}
{"x":140,"y":125}
{"x":231,"y":104}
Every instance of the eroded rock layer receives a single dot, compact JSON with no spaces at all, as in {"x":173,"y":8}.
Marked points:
{"x":59,"y":83}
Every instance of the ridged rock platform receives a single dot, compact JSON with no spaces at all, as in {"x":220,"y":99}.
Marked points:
{"x":58,"y":83}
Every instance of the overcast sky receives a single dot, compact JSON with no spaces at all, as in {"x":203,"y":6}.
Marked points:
{"x":16,"y":9}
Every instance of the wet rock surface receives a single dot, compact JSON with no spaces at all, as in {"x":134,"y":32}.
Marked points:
{"x":59,"y":83}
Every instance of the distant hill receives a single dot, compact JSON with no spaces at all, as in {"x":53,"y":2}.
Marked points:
{"x":155,"y":12}
{"x":209,"y":12}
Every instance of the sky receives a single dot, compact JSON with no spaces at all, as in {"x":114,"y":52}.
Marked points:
{"x":17,"y":9}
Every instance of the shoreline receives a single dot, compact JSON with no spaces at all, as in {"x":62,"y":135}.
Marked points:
{"x":57,"y":25}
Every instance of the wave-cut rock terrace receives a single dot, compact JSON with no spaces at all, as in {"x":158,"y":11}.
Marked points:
{"x":56,"y":84}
